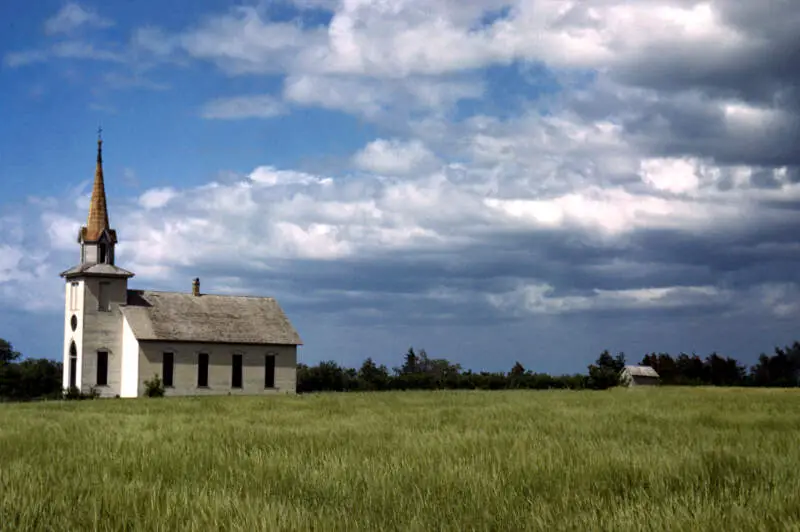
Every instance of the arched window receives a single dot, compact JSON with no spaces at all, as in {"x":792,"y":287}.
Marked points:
{"x":73,"y":365}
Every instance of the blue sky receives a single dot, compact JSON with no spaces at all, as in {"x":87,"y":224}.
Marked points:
{"x":490,"y":180}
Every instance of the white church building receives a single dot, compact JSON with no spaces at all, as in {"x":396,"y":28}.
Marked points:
{"x":116,"y":338}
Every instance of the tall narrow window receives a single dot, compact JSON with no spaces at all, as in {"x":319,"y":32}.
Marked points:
{"x":167,"y":364}
{"x":236,"y":370}
{"x":101,"y":252}
{"x":102,"y":368}
{"x":202,"y":370}
{"x":269,"y":371}
{"x":103,"y":297}
{"x":73,"y":366}
{"x":73,"y":296}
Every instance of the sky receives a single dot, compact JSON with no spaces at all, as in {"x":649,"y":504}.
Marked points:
{"x":491,"y":181}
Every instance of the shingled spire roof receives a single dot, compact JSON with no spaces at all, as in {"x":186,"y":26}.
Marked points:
{"x":98,"y":208}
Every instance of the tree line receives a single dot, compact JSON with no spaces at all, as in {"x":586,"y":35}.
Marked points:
{"x":41,"y":378}
{"x":421,"y":372}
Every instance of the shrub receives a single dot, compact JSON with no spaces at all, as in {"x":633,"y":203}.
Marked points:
{"x":154,"y":387}
{"x":74,"y":393}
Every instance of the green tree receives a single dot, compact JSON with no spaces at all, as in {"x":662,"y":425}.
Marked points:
{"x":604,"y":373}
{"x":373,"y":377}
{"x":7,"y":353}
{"x":410,"y":362}
{"x":516,"y":377}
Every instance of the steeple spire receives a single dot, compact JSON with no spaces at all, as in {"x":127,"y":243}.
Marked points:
{"x":98,"y":209}
{"x":96,"y":238}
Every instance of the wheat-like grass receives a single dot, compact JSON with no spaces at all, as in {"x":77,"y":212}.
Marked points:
{"x":657,"y":459}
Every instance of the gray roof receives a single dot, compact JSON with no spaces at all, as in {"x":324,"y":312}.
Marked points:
{"x":101,"y":269}
{"x":207,"y":318}
{"x":641,"y":371}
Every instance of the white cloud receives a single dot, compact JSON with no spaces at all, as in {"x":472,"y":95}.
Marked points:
{"x":287,"y":214}
{"x":256,"y":106}
{"x":9,"y":261}
{"x":542,"y":299}
{"x":349,"y":95}
{"x":157,"y":198}
{"x":610,"y":212}
{"x":61,"y":230}
{"x":72,"y":17}
{"x":410,"y":37}
{"x":241,"y":42}
{"x":394,"y":157}
{"x":84,"y":50}
{"x":375,"y":98}
{"x":27,"y":280}
{"x":780,"y":299}
{"x":154,"y":41}
{"x":65,"y":49}
{"x":15,"y":59}
{"x":271,"y":176}
{"x":672,"y":175}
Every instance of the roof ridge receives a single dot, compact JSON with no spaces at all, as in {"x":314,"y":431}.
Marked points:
{"x":202,"y":294}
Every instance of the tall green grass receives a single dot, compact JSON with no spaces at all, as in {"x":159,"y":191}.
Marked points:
{"x":659,"y":459}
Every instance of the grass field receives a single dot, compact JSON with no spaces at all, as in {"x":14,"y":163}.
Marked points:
{"x":665,"y":459}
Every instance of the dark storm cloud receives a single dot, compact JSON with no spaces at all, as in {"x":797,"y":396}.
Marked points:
{"x":451,"y":285}
{"x":760,"y":65}
{"x":692,"y":124}
{"x":684,"y":115}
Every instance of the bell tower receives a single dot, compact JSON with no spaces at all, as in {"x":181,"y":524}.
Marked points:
{"x":95,"y":289}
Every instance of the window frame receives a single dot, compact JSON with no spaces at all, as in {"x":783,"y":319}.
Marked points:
{"x":274,"y":364}
{"x":171,"y":355}
{"x":234,"y":358}
{"x":73,"y":295}
{"x":200,"y":365}
{"x":104,"y":287}
{"x":105,"y":355}
{"x":73,"y":366}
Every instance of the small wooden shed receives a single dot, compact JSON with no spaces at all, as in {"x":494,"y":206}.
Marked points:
{"x":638,"y":376}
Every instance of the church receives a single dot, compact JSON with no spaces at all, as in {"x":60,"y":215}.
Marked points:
{"x":116,"y":338}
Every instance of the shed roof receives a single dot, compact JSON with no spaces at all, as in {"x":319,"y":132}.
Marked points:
{"x":207,"y":318}
{"x":641,"y":371}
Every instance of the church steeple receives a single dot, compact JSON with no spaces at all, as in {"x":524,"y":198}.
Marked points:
{"x":98,"y":209}
{"x":97,"y":239}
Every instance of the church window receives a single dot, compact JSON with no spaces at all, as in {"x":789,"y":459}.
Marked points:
{"x":73,"y":296}
{"x":101,"y":252}
{"x":73,"y":365}
{"x":103,"y":297}
{"x":202,"y":370}
{"x":269,"y":371}
{"x":102,"y":368}
{"x":167,"y":367}
{"x":73,"y":322}
{"x":236,"y":370}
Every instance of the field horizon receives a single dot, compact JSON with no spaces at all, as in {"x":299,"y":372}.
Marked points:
{"x":625,"y":459}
